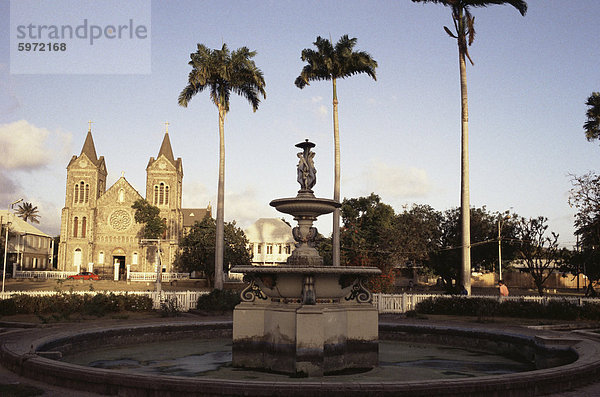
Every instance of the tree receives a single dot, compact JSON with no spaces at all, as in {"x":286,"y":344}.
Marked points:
{"x":585,"y":197}
{"x":332,"y":63}
{"x":149,"y":215}
{"x":539,"y":252}
{"x":366,"y":237}
{"x":464,"y":33}
{"x":28,"y":212}
{"x":222,"y":73}
{"x":417,"y":232}
{"x":592,"y":124}
{"x":444,"y":260}
{"x":198,"y":248}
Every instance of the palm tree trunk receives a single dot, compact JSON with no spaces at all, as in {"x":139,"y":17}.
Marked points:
{"x":336,"y":185}
{"x":220,"y":204}
{"x":465,"y":212}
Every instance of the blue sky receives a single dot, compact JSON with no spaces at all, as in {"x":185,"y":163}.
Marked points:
{"x":400,"y":135}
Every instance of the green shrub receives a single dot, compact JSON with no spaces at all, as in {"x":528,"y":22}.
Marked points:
{"x":485,"y":307}
{"x":8,"y":307}
{"x":219,"y":301}
{"x":62,"y":304}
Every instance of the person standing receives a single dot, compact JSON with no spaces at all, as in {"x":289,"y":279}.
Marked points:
{"x":503,"y":288}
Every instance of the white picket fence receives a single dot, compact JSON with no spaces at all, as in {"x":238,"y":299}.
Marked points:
{"x":401,"y":303}
{"x":385,"y":303}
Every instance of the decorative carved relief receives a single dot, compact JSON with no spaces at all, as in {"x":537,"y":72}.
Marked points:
{"x":120,"y":220}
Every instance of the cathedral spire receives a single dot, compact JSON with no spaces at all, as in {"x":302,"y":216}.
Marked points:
{"x":165,"y":148}
{"x":88,"y":147}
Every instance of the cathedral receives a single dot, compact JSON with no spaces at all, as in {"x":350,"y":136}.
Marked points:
{"x":98,"y":231}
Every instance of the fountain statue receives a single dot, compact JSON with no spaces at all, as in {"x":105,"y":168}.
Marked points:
{"x":304,"y":317}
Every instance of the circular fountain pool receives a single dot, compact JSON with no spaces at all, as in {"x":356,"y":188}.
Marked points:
{"x":191,"y":357}
{"x":469,"y":362}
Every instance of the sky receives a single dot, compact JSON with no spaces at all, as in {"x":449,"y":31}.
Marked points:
{"x":400,"y":134}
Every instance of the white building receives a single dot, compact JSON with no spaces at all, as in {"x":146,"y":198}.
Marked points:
{"x":28,"y":247}
{"x":270,"y":241}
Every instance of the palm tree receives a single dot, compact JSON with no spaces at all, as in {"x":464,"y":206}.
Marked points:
{"x":28,"y":212}
{"x":592,"y":125}
{"x":332,"y":63}
{"x":464,"y":33}
{"x":223,"y":72}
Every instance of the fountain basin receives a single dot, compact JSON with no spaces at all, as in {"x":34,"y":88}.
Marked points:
{"x":23,"y":352}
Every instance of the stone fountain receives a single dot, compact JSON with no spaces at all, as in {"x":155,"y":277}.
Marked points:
{"x":305,"y":318}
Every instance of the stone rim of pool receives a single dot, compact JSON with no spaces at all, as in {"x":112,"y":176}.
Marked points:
{"x":29,"y":353}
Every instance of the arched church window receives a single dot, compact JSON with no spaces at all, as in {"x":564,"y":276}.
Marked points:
{"x":164,"y":236}
{"x":121,"y":195}
{"x":166,"y":195}
{"x":87,"y":193}
{"x":75,"y":226}
{"x":76,"y":194}
{"x":161,"y":194}
{"x":83,"y":226}
{"x":155,"y":194}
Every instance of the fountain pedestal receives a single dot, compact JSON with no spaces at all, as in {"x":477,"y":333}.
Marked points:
{"x":305,"y":318}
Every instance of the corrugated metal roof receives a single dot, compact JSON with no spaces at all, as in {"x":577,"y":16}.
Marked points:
{"x":19,"y":225}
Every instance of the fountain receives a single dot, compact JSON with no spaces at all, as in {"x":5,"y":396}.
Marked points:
{"x":303,"y":317}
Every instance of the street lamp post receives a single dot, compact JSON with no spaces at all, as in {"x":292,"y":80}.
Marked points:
{"x":6,"y":241}
{"x":500,"y":219}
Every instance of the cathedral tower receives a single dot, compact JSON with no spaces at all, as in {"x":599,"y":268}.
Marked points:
{"x":164,"y":177}
{"x":86,"y":182}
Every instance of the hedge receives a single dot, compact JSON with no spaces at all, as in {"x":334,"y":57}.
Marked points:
{"x":66,"y":304}
{"x":486,"y":307}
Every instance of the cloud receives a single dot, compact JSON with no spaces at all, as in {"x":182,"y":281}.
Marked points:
{"x":316,"y":99}
{"x":244,"y":206}
{"x":397,"y":182}
{"x":23,"y":146}
{"x":8,"y":188}
{"x":323,"y":110}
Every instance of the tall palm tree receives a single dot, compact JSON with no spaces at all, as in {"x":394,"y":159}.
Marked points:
{"x":332,"y":63}
{"x":592,"y":125}
{"x":464,"y":33}
{"x":28,"y":212}
{"x":223,"y":72}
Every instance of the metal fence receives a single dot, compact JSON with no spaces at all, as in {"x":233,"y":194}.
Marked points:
{"x":151,"y":276}
{"x":44,"y":274}
{"x":133,"y":276}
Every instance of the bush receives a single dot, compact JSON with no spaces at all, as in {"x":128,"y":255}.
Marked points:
{"x":219,"y":301}
{"x":65,"y":304}
{"x":485,"y":307}
{"x":8,"y":307}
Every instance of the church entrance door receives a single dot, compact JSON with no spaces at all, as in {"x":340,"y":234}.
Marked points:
{"x":122,"y":268}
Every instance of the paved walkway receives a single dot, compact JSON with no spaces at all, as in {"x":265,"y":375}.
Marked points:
{"x":8,"y":377}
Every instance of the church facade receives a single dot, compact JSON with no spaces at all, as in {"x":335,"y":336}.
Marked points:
{"x":98,"y":230}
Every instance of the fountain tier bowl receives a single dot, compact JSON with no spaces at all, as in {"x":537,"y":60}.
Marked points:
{"x":286,"y":282}
{"x":305,"y":205}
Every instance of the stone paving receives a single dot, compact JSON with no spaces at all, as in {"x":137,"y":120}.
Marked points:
{"x":7,"y":377}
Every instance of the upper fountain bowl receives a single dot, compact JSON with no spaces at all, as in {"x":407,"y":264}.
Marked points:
{"x":305,"y":205}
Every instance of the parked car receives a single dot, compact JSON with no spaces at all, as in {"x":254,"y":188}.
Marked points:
{"x":84,"y":276}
